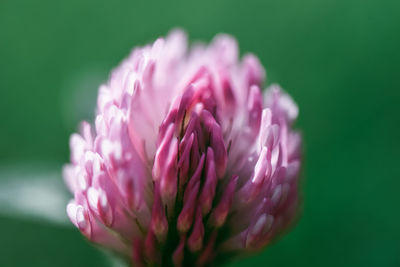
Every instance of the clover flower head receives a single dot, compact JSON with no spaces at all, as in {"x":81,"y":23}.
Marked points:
{"x":188,"y":161}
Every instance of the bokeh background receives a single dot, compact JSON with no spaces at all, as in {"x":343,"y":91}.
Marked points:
{"x":339,"y":60}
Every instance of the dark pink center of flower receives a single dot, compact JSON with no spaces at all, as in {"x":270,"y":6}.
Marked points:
{"x":192,"y":198}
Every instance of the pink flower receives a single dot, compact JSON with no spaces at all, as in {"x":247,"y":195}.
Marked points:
{"x":188,"y":162}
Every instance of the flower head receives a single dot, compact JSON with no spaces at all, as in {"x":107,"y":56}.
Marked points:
{"x":188,"y":160}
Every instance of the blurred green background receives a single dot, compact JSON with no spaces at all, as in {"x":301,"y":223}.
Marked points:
{"x":338,"y":59}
